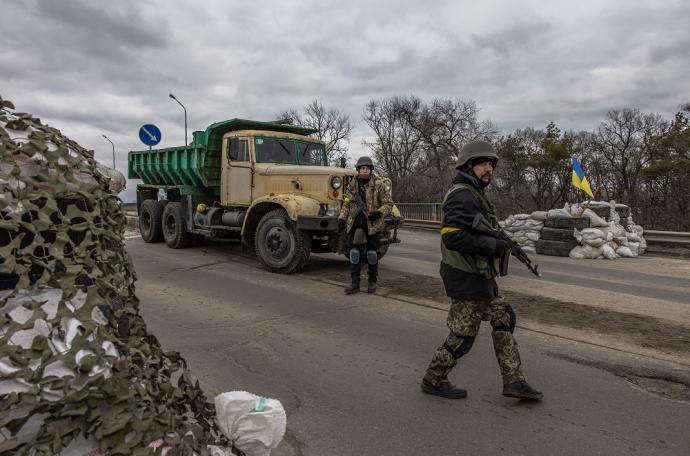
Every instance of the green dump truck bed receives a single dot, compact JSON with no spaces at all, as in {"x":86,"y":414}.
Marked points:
{"x":198,"y":164}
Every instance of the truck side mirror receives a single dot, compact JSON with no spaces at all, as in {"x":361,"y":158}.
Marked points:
{"x":342,"y":162}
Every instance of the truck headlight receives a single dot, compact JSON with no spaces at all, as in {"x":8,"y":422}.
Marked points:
{"x":336,"y":182}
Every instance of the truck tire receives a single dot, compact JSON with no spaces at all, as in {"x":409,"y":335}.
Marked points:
{"x":279,"y":245}
{"x":557,"y":234}
{"x":567,"y":223}
{"x":150,"y":220}
{"x":555,"y":248}
{"x":174,"y":229}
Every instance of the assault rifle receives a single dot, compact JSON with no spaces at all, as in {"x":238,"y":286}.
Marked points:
{"x":481,"y":225}
{"x":360,"y":205}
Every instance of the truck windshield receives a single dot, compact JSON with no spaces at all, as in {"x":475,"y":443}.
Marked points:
{"x":277,"y":150}
{"x":312,"y":154}
{"x":273,"y":150}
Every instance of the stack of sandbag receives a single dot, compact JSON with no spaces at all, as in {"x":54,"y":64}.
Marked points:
{"x":607,"y":239}
{"x":524,"y":228}
{"x":77,"y":363}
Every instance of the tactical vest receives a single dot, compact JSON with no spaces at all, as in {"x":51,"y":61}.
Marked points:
{"x":485,"y":266}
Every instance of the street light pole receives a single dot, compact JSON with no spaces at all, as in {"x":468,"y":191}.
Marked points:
{"x":113,"y":149}
{"x":185,"y":118}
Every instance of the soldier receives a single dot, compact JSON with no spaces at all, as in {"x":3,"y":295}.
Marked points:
{"x":470,"y":262}
{"x":366,"y":203}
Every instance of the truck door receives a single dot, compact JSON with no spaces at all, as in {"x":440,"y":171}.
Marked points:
{"x":237,"y":175}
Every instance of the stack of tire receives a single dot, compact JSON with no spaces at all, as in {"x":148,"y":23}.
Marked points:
{"x":557,"y":238}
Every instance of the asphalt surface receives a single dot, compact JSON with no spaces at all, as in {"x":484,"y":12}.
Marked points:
{"x":347,"y":369}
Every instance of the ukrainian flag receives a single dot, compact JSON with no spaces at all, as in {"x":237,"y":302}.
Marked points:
{"x":579,"y":179}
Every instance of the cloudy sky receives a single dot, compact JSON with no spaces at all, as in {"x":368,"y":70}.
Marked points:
{"x":90,"y":70}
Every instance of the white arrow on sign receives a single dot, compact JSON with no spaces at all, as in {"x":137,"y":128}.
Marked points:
{"x":152,"y":136}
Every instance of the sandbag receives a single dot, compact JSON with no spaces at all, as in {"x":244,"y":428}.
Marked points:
{"x":538,"y":215}
{"x":608,"y":252}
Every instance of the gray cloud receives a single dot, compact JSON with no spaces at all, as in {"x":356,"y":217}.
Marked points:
{"x":90,"y":69}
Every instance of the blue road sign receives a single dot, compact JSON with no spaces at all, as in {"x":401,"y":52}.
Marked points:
{"x":150,"y":135}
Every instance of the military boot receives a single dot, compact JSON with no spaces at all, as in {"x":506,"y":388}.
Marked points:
{"x":371,"y":280}
{"x":354,"y":286}
{"x":444,"y":389}
{"x":522,"y":390}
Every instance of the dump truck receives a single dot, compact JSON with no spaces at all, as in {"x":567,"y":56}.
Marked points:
{"x":267,"y":184}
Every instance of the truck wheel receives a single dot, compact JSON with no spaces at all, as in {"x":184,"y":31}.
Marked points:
{"x":174,"y":229}
{"x":150,"y":220}
{"x":279,"y":246}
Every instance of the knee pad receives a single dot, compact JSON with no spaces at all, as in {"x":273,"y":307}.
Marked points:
{"x":372,"y":257}
{"x":355,"y":256}
{"x":465,"y":346}
{"x":502,"y":324}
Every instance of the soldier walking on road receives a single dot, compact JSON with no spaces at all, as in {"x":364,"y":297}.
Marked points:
{"x":366,"y":203}
{"x":470,"y":263}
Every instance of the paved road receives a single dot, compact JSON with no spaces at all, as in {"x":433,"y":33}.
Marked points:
{"x":348,"y":369}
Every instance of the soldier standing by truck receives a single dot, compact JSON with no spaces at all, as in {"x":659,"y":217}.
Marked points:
{"x":470,"y":262}
{"x":366,"y":204}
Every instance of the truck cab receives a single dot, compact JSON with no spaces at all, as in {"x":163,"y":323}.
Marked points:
{"x":268,"y":184}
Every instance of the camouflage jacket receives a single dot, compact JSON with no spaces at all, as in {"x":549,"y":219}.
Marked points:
{"x":378,"y":199}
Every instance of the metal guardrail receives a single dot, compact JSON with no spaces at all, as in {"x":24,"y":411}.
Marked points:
{"x":652,"y":237}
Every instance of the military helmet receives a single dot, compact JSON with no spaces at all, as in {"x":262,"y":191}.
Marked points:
{"x":364,"y":161}
{"x":476,"y":149}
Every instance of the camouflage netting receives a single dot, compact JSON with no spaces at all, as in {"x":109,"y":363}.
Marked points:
{"x":76,"y":359}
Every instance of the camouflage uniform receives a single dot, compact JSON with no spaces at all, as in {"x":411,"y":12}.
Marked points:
{"x":378,"y":198}
{"x":464,"y":319}
{"x":365,"y":247}
{"x":470,"y":262}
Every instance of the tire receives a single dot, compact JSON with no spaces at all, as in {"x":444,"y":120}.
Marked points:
{"x":623,"y":212}
{"x":567,"y":223}
{"x":556,"y":234}
{"x":555,"y":248}
{"x":602,"y":211}
{"x":150,"y":220}
{"x":174,"y":229}
{"x":279,"y":246}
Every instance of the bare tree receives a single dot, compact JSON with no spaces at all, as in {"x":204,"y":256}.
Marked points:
{"x":626,"y":141}
{"x":334,"y":128}
{"x":396,"y":148}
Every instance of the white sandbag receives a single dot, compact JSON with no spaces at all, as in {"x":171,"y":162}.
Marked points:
{"x":633,"y":237}
{"x":595,"y":242}
{"x":255,"y":424}
{"x":578,"y":252}
{"x":529,"y":249}
{"x":521,"y":216}
{"x":591,"y":251}
{"x":643,"y":246}
{"x":556,"y":213}
{"x":594,"y":219}
{"x":621,"y":241}
{"x":634,"y":248}
{"x":538,"y":215}
{"x":530,"y":224}
{"x":616,"y":229}
{"x":593,"y":233}
{"x":625,"y":252}
{"x":613,"y":215}
{"x":533,"y":236}
{"x":608,"y":252}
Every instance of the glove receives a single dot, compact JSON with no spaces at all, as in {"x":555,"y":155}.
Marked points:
{"x":501,"y":247}
{"x":342,"y":224}
{"x":374,"y":215}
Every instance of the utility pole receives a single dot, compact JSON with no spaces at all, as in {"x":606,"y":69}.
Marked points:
{"x":113,"y":149}
{"x":185,"y":118}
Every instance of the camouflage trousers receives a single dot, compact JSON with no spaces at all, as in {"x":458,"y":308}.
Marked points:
{"x":464,"y":318}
